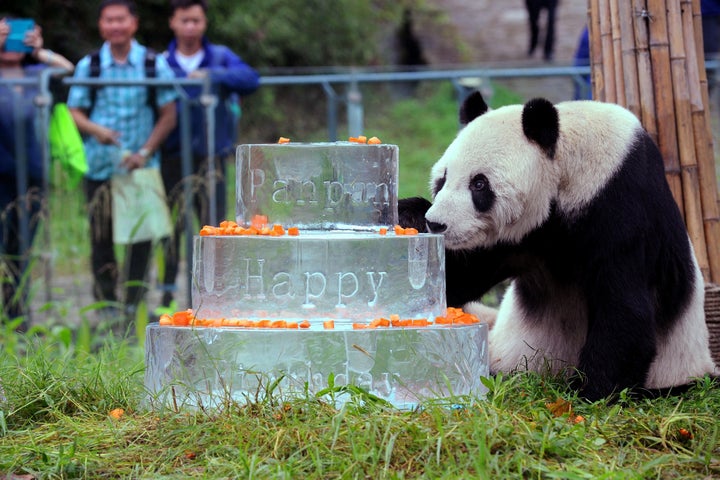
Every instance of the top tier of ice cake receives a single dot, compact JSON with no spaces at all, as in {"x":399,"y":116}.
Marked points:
{"x":318,"y":186}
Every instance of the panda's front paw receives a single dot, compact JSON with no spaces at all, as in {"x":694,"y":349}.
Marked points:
{"x":411,"y":212}
{"x":591,"y":391}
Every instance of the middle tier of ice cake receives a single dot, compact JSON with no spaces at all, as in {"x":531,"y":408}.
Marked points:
{"x":339,"y":185}
{"x":343,"y":276}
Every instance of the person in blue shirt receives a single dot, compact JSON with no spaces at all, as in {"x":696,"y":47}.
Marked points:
{"x":20,"y":195}
{"x":191,"y":54}
{"x":122,"y":133}
{"x":583,"y":87}
{"x":710,"y":10}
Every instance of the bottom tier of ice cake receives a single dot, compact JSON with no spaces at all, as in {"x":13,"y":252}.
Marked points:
{"x":207,"y":367}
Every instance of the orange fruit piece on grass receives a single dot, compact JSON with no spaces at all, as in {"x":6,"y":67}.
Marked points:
{"x":116,"y":413}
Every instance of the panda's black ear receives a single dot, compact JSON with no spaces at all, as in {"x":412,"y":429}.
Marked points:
{"x":541,"y":124}
{"x":473,"y":106}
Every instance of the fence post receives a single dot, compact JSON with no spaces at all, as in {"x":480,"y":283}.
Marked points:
{"x":331,"y":111}
{"x":354,"y":110}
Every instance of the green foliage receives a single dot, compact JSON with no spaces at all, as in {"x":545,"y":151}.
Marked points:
{"x":273,"y":33}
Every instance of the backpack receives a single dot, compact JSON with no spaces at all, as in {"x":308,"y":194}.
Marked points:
{"x":150,"y":72}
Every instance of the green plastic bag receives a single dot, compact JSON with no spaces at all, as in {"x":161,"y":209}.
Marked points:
{"x":66,"y":146}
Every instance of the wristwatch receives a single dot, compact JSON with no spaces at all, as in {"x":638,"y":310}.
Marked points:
{"x":144,"y":152}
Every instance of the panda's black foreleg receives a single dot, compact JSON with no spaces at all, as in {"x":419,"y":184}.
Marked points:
{"x":411,"y":212}
{"x":621,"y":339}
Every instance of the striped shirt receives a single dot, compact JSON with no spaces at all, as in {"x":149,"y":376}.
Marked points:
{"x":119,"y":107}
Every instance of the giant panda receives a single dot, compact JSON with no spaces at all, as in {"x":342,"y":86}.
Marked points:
{"x":570,"y":202}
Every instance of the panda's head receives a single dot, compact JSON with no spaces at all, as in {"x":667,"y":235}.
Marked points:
{"x":496,"y":180}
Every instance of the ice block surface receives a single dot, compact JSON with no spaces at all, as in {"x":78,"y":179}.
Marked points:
{"x":205,"y":366}
{"x":339,"y":185}
{"x":352,"y":276}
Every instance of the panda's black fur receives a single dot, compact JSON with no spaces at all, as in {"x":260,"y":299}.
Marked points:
{"x":604,"y":279}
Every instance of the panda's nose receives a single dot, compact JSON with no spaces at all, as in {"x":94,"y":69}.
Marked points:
{"x":434,"y":227}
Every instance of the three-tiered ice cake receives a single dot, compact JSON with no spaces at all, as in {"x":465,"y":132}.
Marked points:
{"x":341,"y":302}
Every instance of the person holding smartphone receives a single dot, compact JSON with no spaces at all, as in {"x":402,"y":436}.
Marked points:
{"x":17,"y":111}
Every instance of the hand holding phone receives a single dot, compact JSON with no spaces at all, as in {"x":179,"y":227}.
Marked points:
{"x":19,"y":28}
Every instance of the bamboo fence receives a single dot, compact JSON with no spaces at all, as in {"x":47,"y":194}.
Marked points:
{"x":647,"y":55}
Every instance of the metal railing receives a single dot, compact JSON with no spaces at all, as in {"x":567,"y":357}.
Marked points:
{"x":350,"y":80}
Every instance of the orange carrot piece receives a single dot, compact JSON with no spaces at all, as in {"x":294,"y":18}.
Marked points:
{"x":294,"y":231}
{"x":264,"y":323}
{"x":278,"y":324}
{"x":362,"y":139}
{"x":165,"y":320}
{"x":259,"y":221}
{"x":378,"y":322}
{"x":283,"y":140}
{"x":359,"y":326}
{"x":420,"y":322}
{"x":399,"y":230}
{"x":292,"y":325}
{"x":207,"y":230}
{"x":304,"y":324}
{"x":374,"y":141}
{"x":329,"y":324}
{"x":383,"y":231}
{"x":277,"y":229}
{"x":411,"y":231}
{"x":182,"y":318}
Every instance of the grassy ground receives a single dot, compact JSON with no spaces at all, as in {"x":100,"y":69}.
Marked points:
{"x":60,"y":391}
{"x":58,"y":421}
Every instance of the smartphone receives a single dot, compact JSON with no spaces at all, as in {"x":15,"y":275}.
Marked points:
{"x":15,"y":41}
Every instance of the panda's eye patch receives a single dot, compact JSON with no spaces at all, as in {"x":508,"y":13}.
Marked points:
{"x":479,"y":183}
{"x":483,"y":197}
{"x":439,"y":184}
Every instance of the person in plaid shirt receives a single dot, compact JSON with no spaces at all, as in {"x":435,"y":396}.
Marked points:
{"x":122,"y":132}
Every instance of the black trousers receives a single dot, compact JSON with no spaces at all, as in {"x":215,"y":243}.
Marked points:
{"x":198,"y":186}
{"x":534,"y":7}
{"x":15,"y":255}
{"x":103,"y":261}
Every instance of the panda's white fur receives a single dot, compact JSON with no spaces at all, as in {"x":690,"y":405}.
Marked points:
{"x":543,"y":182}
{"x":522,"y":177}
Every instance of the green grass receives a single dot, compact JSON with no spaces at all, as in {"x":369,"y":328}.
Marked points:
{"x":59,"y":384}
{"x":54,"y":423}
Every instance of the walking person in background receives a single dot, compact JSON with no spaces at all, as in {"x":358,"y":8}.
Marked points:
{"x":710,"y":10}
{"x":534,"y":8}
{"x":123,"y":133}
{"x":192,"y":55}
{"x":16,"y":200}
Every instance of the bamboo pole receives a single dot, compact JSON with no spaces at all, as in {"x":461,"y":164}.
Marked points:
{"x":647,"y":55}
{"x":686,"y":136}
{"x":607,"y":52}
{"x":628,"y":57}
{"x":656,"y":20}
{"x":648,"y":116}
{"x":617,"y":53}
{"x":596,"y":51}
{"x":700,"y":105}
